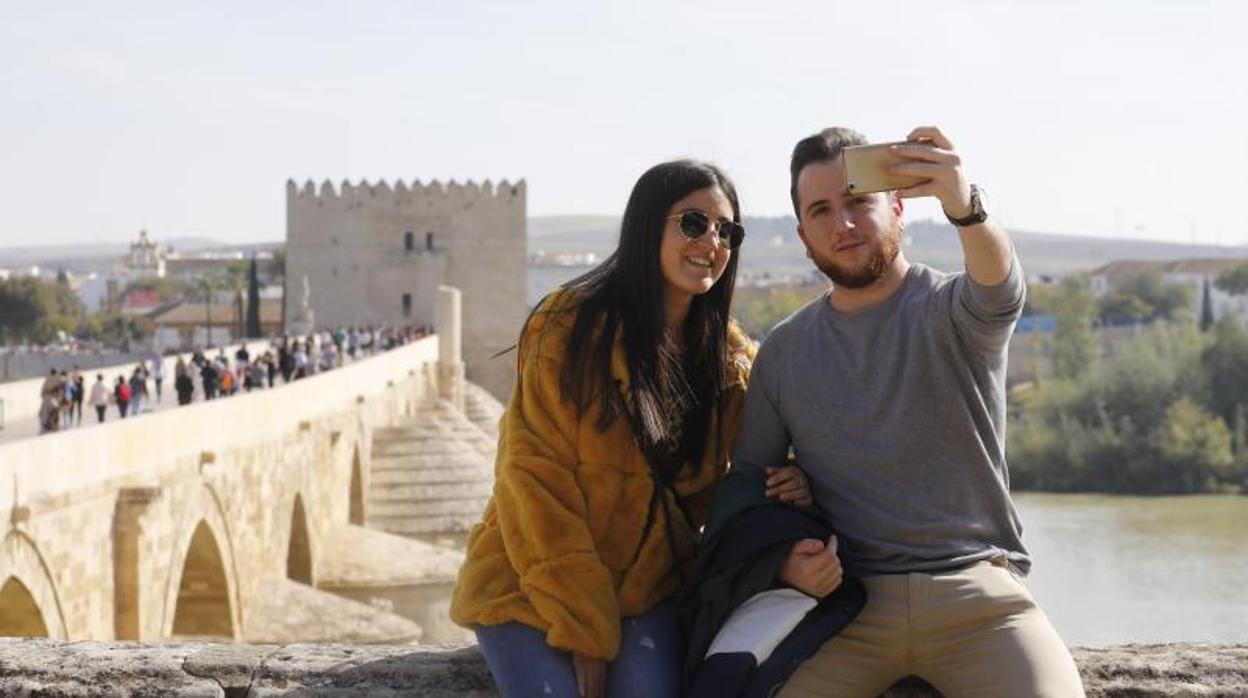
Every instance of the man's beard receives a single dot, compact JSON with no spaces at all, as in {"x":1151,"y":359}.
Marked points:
{"x":883,"y":252}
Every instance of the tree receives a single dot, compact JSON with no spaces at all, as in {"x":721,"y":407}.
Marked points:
{"x":1234,"y":280}
{"x":35,"y":310}
{"x":1116,"y":428}
{"x":1206,"y":309}
{"x":1074,"y":346}
{"x":759,"y":309}
{"x":1196,"y":447}
{"x":20,"y":309}
{"x":1041,"y":298}
{"x":253,"y":301}
{"x":1124,"y":305}
{"x":277,"y":267}
{"x":1225,"y":365}
{"x":1169,"y":301}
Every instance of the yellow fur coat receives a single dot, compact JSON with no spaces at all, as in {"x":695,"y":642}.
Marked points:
{"x":555,"y":549}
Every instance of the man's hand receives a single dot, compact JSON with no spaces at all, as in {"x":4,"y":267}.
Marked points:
{"x":812,"y":567}
{"x":930,"y":154}
{"x":789,"y":484}
{"x":591,"y":675}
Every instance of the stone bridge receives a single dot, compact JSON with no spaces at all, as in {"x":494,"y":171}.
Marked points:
{"x":329,"y":509}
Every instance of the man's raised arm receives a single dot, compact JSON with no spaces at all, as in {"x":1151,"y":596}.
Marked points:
{"x":986,"y":247}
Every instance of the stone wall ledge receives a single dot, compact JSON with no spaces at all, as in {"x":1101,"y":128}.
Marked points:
{"x":51,"y":668}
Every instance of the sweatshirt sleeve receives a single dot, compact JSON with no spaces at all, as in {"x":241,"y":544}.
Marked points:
{"x":542,"y":509}
{"x":763,"y":440}
{"x":985,"y":315}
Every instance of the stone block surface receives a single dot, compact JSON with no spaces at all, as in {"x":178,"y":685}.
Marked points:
{"x":51,"y":668}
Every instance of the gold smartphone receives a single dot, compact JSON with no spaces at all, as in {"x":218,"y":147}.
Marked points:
{"x":866,"y":169}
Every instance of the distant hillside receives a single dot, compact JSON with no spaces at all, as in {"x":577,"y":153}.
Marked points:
{"x":772,"y":245}
{"x":98,"y":257}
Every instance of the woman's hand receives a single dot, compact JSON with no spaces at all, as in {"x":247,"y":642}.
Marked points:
{"x":789,"y":484}
{"x":591,"y":675}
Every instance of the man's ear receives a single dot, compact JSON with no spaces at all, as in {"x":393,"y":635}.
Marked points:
{"x":801,"y":233}
{"x":899,"y":205}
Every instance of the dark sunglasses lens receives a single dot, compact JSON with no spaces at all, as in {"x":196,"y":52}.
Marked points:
{"x":731,"y":233}
{"x":693,"y":224}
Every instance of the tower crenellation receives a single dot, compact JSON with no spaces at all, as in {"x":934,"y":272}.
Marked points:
{"x":486,"y":190}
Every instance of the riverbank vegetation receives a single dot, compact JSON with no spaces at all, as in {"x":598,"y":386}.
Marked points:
{"x":1167,"y":413}
{"x":1155,"y":406}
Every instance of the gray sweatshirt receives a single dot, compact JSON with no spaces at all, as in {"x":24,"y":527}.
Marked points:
{"x":897,"y":416}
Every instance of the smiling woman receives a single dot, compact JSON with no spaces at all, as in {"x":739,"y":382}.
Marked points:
{"x":631,"y":380}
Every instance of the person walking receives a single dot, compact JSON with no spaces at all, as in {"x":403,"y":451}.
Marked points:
{"x":299,"y":359}
{"x":121,"y":396}
{"x":208,"y":377}
{"x":156,"y":369}
{"x":270,"y":367}
{"x":182,"y":383}
{"x":50,"y":411}
{"x":242,"y":359}
{"x":79,"y":394}
{"x":138,"y":390}
{"x":99,"y":397}
{"x":353,"y":343}
{"x":67,"y":400}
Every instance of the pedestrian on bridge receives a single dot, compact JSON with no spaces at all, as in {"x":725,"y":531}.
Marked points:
{"x":99,"y":397}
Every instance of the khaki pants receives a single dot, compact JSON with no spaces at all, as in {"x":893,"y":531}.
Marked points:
{"x":972,"y":632}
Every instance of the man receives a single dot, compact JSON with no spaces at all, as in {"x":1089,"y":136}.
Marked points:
{"x":156,"y":369}
{"x":138,"y":390}
{"x":79,"y":394}
{"x":99,"y":397}
{"x":50,"y":383}
{"x":890,"y":389}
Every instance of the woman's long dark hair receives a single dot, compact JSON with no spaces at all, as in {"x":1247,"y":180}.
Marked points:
{"x":625,"y":293}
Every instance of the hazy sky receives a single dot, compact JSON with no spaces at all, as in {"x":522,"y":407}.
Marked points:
{"x":1115,"y":118}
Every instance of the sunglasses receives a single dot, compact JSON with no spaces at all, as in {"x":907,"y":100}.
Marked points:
{"x":694,"y":224}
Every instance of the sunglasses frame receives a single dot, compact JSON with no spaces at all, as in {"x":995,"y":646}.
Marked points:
{"x":736,"y":231}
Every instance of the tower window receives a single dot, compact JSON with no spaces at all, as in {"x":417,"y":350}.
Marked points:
{"x":407,"y":305}
{"x":409,"y":241}
{"x":429,"y":241}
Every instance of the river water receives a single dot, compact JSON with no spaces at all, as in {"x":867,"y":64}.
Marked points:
{"x":1111,"y":570}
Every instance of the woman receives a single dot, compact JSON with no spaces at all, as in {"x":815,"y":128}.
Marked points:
{"x":631,"y":380}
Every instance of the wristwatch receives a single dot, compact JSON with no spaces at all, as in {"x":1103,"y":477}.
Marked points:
{"x":977,"y":215}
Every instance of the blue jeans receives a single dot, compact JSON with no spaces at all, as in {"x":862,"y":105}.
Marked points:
{"x":649,"y":663}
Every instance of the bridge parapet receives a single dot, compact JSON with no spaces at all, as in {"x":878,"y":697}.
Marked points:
{"x":50,"y":668}
{"x":171,"y":523}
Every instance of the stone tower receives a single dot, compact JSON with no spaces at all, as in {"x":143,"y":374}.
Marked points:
{"x":374,"y":254}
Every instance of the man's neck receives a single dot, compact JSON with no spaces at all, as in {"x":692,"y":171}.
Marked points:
{"x":857,"y":300}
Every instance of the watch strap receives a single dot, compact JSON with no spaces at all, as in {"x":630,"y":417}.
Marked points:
{"x":977,"y":215}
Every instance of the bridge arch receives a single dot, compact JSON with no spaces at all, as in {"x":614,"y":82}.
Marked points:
{"x":19,"y":614}
{"x":27,"y":593}
{"x":201,"y":591}
{"x":203,"y":603}
{"x":299,"y":550}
